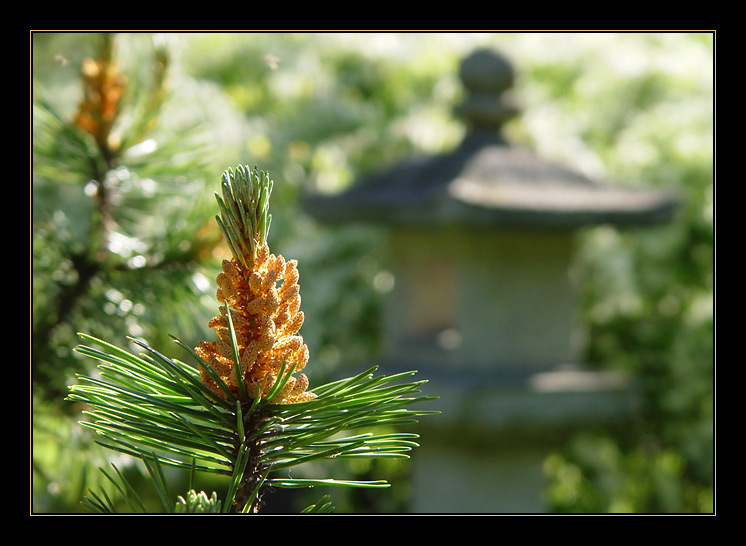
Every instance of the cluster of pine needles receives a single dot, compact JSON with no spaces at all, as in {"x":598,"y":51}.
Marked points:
{"x":165,"y":413}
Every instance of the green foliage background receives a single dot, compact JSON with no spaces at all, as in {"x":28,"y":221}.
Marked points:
{"x":320,"y":110}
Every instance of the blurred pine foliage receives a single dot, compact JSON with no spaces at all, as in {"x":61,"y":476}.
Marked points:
{"x":120,"y":224}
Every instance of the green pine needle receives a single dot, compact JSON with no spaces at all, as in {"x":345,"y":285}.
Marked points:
{"x":244,"y":211}
{"x":154,"y":408}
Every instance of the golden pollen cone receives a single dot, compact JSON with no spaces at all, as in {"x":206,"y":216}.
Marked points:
{"x":262,"y":295}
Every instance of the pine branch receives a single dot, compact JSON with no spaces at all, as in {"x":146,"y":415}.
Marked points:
{"x":240,"y":411}
{"x":156,"y":409}
{"x":106,"y":177}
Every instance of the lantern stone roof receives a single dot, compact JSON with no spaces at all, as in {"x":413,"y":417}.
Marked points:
{"x":486,"y":180}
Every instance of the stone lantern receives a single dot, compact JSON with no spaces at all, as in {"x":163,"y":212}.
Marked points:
{"x":480,"y":246}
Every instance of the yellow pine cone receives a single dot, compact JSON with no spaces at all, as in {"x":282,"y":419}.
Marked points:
{"x":104,"y":87}
{"x":266,"y":316}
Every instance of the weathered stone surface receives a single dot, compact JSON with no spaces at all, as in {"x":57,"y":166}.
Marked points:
{"x":487,"y":181}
